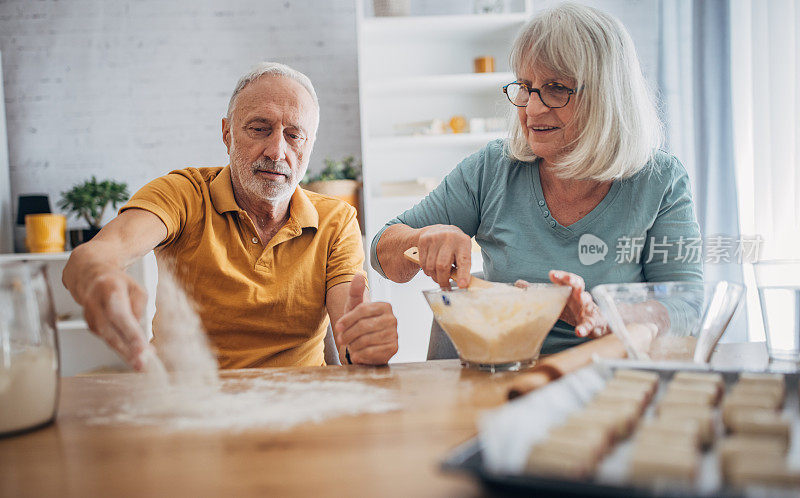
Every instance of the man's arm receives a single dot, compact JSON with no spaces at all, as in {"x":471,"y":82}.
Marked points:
{"x":113,"y":303}
{"x":367,"y":330}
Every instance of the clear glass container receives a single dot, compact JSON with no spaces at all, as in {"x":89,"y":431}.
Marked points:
{"x":779,"y":291}
{"x":29,"y":367}
{"x":500,"y":328}
{"x":685,"y":319}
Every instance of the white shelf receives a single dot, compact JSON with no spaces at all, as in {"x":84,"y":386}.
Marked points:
{"x":414,"y":69}
{"x":35,"y":256}
{"x":416,"y":26}
{"x":63,"y":325}
{"x":453,"y":139}
{"x":455,"y":82}
{"x":396,"y":199}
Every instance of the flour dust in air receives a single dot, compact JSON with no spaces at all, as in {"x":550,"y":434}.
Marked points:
{"x":181,"y":341}
{"x":182,"y":390}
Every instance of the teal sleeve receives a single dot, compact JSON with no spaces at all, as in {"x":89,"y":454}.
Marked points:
{"x":456,"y":201}
{"x":672,"y":248}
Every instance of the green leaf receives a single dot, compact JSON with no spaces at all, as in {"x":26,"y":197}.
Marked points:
{"x":88,"y":200}
{"x":347,"y":169}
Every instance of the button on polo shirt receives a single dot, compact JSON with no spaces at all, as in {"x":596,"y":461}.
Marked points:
{"x":261,"y":305}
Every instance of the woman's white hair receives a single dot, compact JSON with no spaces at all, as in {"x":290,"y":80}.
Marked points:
{"x":272,"y":69}
{"x":615,"y":112}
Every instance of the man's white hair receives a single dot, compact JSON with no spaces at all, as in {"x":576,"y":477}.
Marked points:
{"x":615,"y":114}
{"x":272,"y":69}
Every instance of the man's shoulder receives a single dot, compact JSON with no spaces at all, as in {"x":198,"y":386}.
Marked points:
{"x":196,"y":176}
{"x":329,"y":207}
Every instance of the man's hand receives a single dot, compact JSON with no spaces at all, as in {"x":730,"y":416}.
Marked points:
{"x":113,"y":305}
{"x":368,"y":331}
{"x":441,"y":247}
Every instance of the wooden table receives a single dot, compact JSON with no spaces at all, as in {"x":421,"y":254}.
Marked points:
{"x":387,"y":454}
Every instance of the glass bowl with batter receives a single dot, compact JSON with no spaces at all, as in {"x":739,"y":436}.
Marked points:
{"x":500,"y":328}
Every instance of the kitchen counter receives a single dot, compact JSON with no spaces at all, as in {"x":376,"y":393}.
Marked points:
{"x":394,"y":453}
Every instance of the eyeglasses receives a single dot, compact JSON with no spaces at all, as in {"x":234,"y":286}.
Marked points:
{"x":552,"y":95}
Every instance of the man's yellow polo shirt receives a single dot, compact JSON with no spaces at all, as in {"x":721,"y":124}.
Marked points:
{"x":262,"y":305}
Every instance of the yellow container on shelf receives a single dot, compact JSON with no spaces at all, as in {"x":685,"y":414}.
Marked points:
{"x":46,"y":232}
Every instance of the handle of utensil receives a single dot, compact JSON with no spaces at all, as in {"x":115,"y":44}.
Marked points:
{"x":412,"y":254}
{"x":570,"y":360}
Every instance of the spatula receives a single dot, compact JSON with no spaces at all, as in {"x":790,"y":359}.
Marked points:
{"x":412,"y":254}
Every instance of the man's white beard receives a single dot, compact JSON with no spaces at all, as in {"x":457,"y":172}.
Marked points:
{"x":261,"y":188}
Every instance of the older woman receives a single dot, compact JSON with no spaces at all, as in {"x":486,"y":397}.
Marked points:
{"x":579,"y":185}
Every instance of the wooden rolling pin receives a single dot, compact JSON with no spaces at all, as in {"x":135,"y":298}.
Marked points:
{"x":412,"y":254}
{"x":575,"y":358}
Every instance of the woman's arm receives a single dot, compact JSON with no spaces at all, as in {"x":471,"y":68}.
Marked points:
{"x":672,"y":249}
{"x":440,"y":225}
{"x":440,"y":247}
{"x":673,"y":252}
{"x":389,"y":250}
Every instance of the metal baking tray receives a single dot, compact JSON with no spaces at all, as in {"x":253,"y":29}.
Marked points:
{"x":610,"y":479}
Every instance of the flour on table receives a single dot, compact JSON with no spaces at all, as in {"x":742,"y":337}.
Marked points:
{"x":189,"y":395}
{"x":247,"y":403}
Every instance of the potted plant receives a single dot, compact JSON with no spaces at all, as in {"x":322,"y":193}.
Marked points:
{"x":340,"y":179}
{"x":89,"y":200}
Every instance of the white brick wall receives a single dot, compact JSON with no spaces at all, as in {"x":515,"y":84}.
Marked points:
{"x":131,"y":89}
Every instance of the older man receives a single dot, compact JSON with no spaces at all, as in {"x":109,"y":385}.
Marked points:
{"x":267,"y":263}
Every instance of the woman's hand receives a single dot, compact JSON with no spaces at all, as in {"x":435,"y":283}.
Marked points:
{"x":441,"y":247}
{"x":580,"y":311}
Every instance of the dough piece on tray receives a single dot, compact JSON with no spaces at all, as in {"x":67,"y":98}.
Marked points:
{"x":761,"y":469}
{"x":748,"y":446}
{"x":703,"y":415}
{"x":774,"y":383}
{"x":572,"y":448}
{"x":774,"y":392}
{"x":651,"y":464}
{"x":644,"y":376}
{"x":686,"y":397}
{"x":629,"y":409}
{"x":616,"y":396}
{"x":695,"y":391}
{"x":759,"y":422}
{"x":553,"y":459}
{"x":773,"y":379}
{"x":636,"y":377}
{"x":646,"y":391}
{"x":618,"y":422}
{"x":735,"y":405}
{"x":594,"y":436}
{"x":700,"y":378}
{"x":684,"y":432}
{"x":660,"y":440}
{"x":752,"y":400}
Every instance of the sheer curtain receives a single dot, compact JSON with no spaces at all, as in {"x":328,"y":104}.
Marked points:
{"x":765,"y":70}
{"x":694,"y":80}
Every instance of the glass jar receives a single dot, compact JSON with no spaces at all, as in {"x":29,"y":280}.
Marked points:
{"x":29,"y":368}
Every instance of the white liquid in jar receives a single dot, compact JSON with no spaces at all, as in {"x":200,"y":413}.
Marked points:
{"x":28,"y":389}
